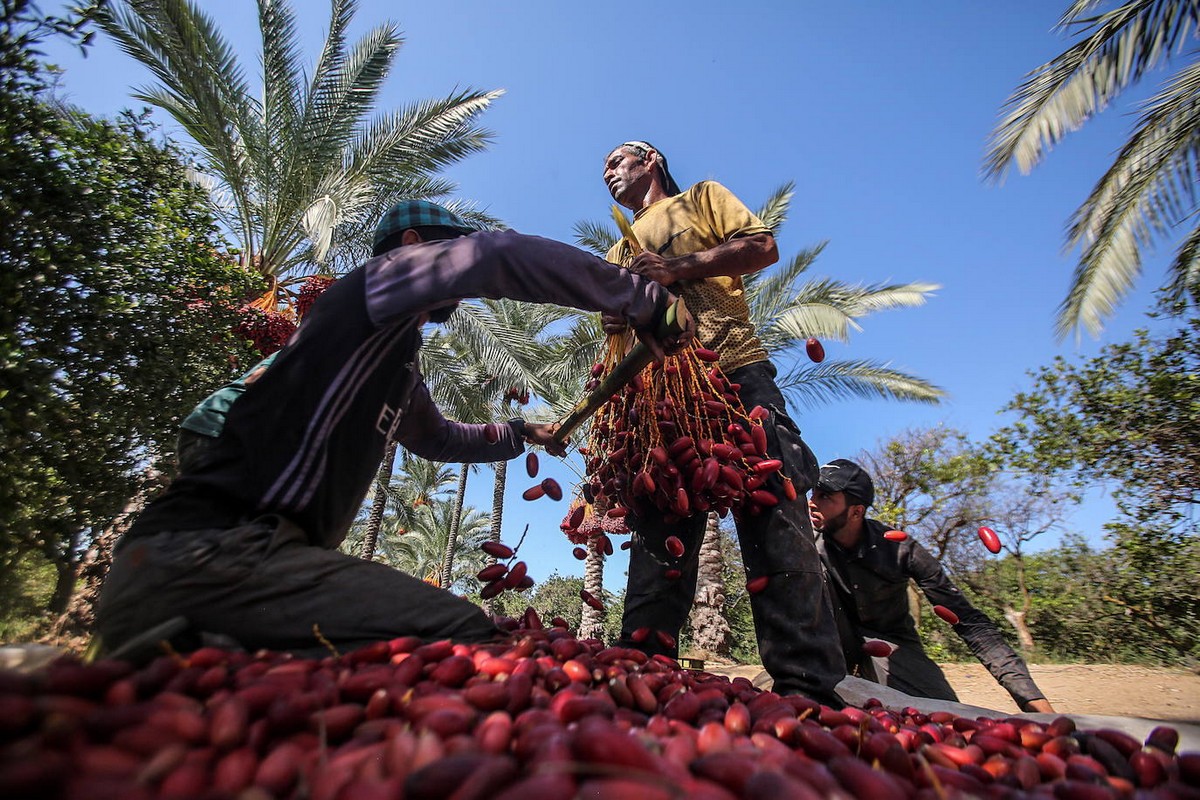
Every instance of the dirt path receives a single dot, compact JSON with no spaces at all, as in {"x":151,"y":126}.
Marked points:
{"x":1108,"y":689}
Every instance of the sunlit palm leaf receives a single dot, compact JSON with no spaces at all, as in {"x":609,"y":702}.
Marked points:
{"x":596,"y":237}
{"x":774,"y":211}
{"x":812,"y":385}
{"x":304,"y":165}
{"x":1149,"y":189}
{"x":1062,"y":94}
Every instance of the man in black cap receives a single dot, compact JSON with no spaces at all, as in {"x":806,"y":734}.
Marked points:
{"x":243,"y":543}
{"x":700,"y":242}
{"x":868,"y":577}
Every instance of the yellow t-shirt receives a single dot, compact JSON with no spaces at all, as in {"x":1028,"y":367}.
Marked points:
{"x":703,"y":217}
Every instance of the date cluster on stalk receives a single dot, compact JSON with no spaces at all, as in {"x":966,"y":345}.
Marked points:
{"x":678,"y":439}
{"x":538,"y":715}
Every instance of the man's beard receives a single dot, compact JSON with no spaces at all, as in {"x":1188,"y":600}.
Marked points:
{"x":832,"y":525}
{"x":440,"y":315}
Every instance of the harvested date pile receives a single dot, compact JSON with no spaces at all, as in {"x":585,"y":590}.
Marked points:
{"x":677,"y":439}
{"x":542,"y":716}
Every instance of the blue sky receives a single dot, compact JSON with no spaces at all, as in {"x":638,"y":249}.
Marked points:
{"x":879,"y":111}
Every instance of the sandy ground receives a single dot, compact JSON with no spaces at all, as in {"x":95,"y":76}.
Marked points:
{"x":1108,"y":689}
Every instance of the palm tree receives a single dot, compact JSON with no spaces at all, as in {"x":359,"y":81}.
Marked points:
{"x":379,"y":502}
{"x":785,"y":313}
{"x":591,"y":621}
{"x":417,"y":483}
{"x":301,"y":167}
{"x":1149,"y":190}
{"x":421,"y":551}
{"x":488,"y":347}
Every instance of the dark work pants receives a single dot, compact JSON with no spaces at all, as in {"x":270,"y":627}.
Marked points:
{"x":908,"y":669}
{"x":793,"y":618}
{"x":265,"y":586}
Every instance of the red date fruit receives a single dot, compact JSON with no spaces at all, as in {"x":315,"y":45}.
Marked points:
{"x":552,"y":489}
{"x":946,"y":614}
{"x":531,"y":464}
{"x":990,"y":540}
{"x":895,"y":536}
{"x":590,"y":599}
{"x":497,"y":549}
{"x":756,"y":585}
{"x":674,"y":546}
{"x":815,"y":350}
{"x":877,"y":648}
{"x":534,"y":492}
{"x":489,"y":574}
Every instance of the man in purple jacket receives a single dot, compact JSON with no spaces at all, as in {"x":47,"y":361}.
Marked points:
{"x":243,"y":543}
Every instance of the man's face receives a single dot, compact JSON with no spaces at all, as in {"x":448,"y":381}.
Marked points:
{"x":628,"y":177}
{"x":828,"y":511}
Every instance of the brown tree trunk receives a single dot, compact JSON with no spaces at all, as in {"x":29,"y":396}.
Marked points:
{"x":501,"y":468}
{"x":74,"y":625}
{"x":711,"y":634}
{"x":65,"y":569}
{"x":591,"y":623}
{"x":375,"y":521}
{"x":1019,"y":618}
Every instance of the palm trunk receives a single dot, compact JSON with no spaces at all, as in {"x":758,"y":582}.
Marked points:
{"x":501,"y":468}
{"x":591,"y":622}
{"x":382,"y":481}
{"x":710,"y":630}
{"x":455,"y":521}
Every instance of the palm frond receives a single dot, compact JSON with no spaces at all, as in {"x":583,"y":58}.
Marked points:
{"x":827,"y":308}
{"x":774,"y":211}
{"x":812,"y":385}
{"x":202,"y":85}
{"x":1185,"y":272}
{"x":306,"y":164}
{"x":282,"y":74}
{"x":421,"y":137}
{"x":1059,"y":96}
{"x":770,"y":291}
{"x":1148,"y":190}
{"x":595,"y":237}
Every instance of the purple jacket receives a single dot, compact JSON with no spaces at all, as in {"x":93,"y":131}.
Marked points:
{"x":306,"y":439}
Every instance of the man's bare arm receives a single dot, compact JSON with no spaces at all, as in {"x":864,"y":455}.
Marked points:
{"x":739,"y":256}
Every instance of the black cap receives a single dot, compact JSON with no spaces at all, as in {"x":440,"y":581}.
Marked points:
{"x":842,"y":475}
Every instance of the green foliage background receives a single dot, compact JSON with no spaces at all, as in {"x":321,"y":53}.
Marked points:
{"x":116,"y":305}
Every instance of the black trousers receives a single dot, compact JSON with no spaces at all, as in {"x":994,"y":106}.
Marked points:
{"x":265,"y":586}
{"x":793,"y":617}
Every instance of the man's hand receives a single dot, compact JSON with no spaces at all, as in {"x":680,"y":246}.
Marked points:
{"x":542,"y":434}
{"x":661,"y":348}
{"x":653,"y":266}
{"x":1040,"y":706}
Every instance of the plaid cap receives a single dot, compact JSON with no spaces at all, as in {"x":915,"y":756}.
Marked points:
{"x":417,"y":214}
{"x":843,"y":475}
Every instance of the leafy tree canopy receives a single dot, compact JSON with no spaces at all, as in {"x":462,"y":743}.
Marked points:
{"x":105,"y":253}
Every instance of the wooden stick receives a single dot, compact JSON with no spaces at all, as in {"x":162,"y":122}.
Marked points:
{"x":635,"y":361}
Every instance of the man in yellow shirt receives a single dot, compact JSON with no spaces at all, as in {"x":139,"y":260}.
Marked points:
{"x":700,"y":242}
